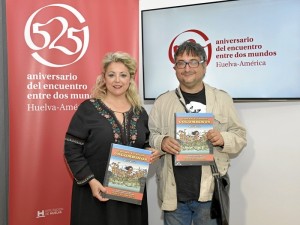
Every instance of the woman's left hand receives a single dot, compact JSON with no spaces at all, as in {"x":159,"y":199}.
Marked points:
{"x":155,"y":155}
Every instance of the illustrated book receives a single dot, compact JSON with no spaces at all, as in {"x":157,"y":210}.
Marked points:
{"x":126,"y":173}
{"x":190,"y":131}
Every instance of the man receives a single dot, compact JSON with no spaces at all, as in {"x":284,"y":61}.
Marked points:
{"x":185,"y":192}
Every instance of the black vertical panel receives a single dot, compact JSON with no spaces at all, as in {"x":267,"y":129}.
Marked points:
{"x":4,"y":130}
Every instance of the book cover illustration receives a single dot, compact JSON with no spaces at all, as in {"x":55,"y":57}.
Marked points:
{"x":126,"y":173}
{"x":190,"y":131}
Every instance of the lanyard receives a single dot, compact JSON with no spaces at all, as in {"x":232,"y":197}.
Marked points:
{"x":179,"y":98}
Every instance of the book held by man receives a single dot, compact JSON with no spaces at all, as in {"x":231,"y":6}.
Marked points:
{"x":190,"y":131}
{"x":126,"y":173}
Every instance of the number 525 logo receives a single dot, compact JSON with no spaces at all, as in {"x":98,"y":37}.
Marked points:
{"x":55,"y":41}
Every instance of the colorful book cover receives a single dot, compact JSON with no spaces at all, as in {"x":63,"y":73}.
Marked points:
{"x":126,"y":173}
{"x":190,"y":131}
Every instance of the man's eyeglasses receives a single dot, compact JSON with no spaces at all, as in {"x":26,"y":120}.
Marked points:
{"x":192,"y":64}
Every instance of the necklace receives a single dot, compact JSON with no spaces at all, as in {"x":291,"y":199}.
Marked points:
{"x":108,"y":105}
{"x":118,"y":111}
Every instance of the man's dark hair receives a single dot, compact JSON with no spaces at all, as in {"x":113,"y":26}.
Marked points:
{"x":191,"y":48}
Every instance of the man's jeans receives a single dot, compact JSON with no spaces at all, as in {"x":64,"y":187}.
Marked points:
{"x":188,"y":212}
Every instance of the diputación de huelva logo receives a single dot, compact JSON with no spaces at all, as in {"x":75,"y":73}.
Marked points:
{"x":48,"y":212}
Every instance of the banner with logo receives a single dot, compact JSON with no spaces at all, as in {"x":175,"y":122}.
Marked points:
{"x":55,"y":50}
{"x":244,"y":57}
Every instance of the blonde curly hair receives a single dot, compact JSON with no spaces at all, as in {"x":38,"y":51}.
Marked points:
{"x":99,"y":90}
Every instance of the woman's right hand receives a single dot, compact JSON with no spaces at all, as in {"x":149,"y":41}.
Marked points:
{"x":97,"y":190}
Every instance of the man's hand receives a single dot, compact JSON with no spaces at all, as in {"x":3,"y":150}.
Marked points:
{"x":215,"y":137}
{"x":170,"y":145}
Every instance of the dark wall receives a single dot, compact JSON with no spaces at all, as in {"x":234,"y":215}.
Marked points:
{"x":3,"y":119}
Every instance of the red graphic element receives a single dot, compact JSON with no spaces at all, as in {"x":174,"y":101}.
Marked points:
{"x":201,"y":34}
{"x":41,"y":102}
{"x":57,"y":40}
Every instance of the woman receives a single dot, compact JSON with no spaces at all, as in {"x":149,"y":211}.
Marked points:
{"x":113,"y":115}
